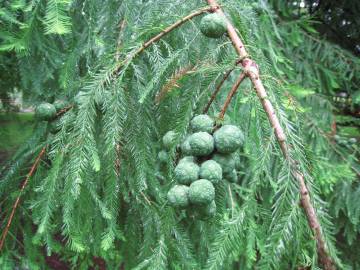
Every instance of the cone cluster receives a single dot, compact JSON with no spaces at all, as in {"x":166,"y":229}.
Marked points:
{"x":207,"y":157}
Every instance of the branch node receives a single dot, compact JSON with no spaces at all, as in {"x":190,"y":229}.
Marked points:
{"x":214,"y":8}
{"x":242,"y":58}
{"x":250,"y":68}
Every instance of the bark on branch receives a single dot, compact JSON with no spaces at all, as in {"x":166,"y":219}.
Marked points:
{"x":232,"y":92}
{"x":252,"y":71}
{"x":217,"y":90}
{"x":17,"y":201}
{"x":218,"y":87}
{"x":64,"y":110}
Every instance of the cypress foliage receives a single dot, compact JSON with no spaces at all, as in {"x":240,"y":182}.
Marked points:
{"x":100,"y":191}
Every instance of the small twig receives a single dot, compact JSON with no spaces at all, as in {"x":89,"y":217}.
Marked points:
{"x":64,"y":110}
{"x":173,"y":26}
{"x":232,"y":92}
{"x":117,"y":160}
{"x":173,"y":82}
{"x":218,"y":87}
{"x":17,"y":201}
{"x":118,"y":45}
{"x":217,"y":90}
{"x":162,"y":34}
{"x":146,"y":198}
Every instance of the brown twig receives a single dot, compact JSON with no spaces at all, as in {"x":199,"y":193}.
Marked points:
{"x":119,"y":40}
{"x":173,"y":26}
{"x":115,"y":72}
{"x":64,"y":110}
{"x":17,"y":201}
{"x":173,"y":82}
{"x":117,"y":160}
{"x":252,"y":71}
{"x":162,"y":34}
{"x":218,"y":87}
{"x":232,"y":92}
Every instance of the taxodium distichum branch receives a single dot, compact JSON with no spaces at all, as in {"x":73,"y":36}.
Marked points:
{"x":252,"y":72}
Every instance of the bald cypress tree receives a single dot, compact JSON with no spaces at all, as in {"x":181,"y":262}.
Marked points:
{"x":95,"y":190}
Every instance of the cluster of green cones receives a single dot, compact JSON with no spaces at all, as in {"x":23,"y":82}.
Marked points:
{"x":208,"y":157}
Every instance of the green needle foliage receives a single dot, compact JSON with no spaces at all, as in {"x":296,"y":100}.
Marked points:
{"x":100,"y":192}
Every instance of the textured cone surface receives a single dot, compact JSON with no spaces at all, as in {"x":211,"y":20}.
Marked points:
{"x":178,"y":196}
{"x":202,"y":122}
{"x":201,"y":143}
{"x":213,"y":25}
{"x":60,"y":104}
{"x":45,"y":111}
{"x":228,"y":139}
{"x":185,"y":147}
{"x":187,"y":159}
{"x":169,"y":139}
{"x":186,"y":172}
{"x":201,"y":192}
{"x":226,"y":162}
{"x":211,"y":170}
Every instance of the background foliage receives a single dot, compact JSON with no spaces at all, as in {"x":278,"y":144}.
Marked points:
{"x":99,"y":196}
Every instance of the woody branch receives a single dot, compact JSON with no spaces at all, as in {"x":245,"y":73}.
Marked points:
{"x":252,"y":71}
